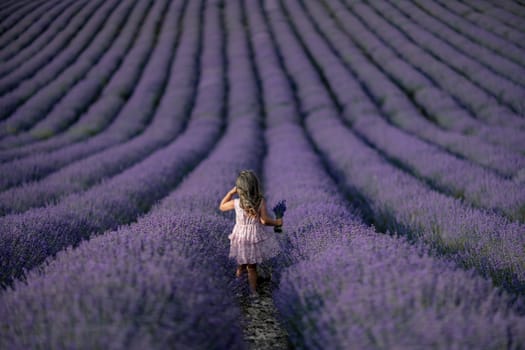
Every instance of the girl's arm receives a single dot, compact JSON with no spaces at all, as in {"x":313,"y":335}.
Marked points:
{"x":227,"y":201}
{"x":265,"y":219}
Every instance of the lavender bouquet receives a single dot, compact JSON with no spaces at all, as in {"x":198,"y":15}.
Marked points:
{"x":279,"y":210}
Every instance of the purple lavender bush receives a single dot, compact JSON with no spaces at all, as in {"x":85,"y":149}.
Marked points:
{"x":342,"y":285}
{"x":412,"y":208}
{"x":393,"y":129}
{"x":132,"y":114}
{"x":168,"y":122}
{"x":164,"y":281}
{"x":44,"y":68}
{"x":27,"y":239}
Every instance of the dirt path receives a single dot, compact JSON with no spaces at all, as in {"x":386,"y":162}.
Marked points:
{"x":262,"y":329}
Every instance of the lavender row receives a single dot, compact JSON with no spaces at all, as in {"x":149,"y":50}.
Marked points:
{"x":243,"y":97}
{"x":398,"y":202}
{"x":493,"y":22}
{"x":8,"y":5}
{"x":33,"y":24}
{"x":122,"y":198}
{"x":132,"y":289}
{"x":394,"y":101}
{"x":438,"y":103}
{"x":476,"y":52}
{"x":462,"y":90}
{"x":469,"y":8}
{"x":479,"y":102}
{"x":17,"y":22}
{"x":505,"y":17}
{"x":344,"y":286}
{"x":172,"y":262}
{"x":29,"y":76}
{"x":80,"y":96}
{"x":19,"y":86}
{"x":35,"y":97}
{"x":167,"y":123}
{"x":128,"y":100}
{"x":516,"y":10}
{"x":35,"y":38}
{"x":442,"y":170}
{"x":75,"y":89}
{"x":28,"y":239}
{"x":26,"y":25}
{"x":114,"y":64}
{"x":493,"y":86}
{"x":341,"y":284}
{"x":11,"y":6}
{"x":170,"y":240}
{"x":475,"y":33}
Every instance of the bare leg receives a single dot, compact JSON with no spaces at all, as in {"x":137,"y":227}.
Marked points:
{"x":241,"y":269}
{"x":252,"y":277}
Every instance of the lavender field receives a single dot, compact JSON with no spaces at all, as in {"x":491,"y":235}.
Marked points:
{"x":394,"y":130}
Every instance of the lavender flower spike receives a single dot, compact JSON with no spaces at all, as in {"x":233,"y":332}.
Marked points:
{"x":279,"y":210}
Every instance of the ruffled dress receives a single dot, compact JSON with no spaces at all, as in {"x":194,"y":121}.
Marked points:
{"x":250,"y":242}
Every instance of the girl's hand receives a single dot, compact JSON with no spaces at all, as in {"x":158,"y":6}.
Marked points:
{"x":227,"y":201}
{"x":279,"y":222}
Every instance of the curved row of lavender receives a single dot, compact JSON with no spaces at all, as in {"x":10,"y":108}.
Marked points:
{"x":28,"y":238}
{"x":491,"y":16}
{"x":17,"y":8}
{"x":443,"y":170}
{"x":126,"y":100}
{"x":473,"y":32}
{"x":173,"y":262}
{"x":181,"y":296}
{"x":393,"y":81}
{"x":80,"y":84}
{"x":482,"y":76}
{"x":464,"y":106}
{"x":168,"y":121}
{"x":38,"y":95}
{"x":370,"y":118}
{"x":399,"y":202}
{"x":473,"y":50}
{"x":342,"y":285}
{"x":37,"y":24}
{"x":428,"y":81}
{"x":119,"y":65}
{"x":21,"y":21}
{"x":30,"y":76}
{"x":33,"y":26}
{"x":437,"y":167}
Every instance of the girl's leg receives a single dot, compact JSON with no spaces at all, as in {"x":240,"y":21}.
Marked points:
{"x":252,"y":277}
{"x":240,"y":270}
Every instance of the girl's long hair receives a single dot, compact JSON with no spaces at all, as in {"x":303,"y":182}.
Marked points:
{"x":249,"y":190}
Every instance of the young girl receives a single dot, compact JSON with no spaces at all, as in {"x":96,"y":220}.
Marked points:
{"x":250,"y":243}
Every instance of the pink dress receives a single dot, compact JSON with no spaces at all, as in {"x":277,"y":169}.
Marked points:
{"x":250,"y":242}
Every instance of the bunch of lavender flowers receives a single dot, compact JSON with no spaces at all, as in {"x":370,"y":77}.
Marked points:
{"x":279,"y":210}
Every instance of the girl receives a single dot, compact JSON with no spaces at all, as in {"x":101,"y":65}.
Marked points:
{"x":250,"y":243}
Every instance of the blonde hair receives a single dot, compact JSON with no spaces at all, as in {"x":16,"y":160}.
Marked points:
{"x":249,"y":190}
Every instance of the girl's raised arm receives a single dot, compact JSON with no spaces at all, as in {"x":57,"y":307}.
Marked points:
{"x":227,"y":201}
{"x":265,"y":219}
